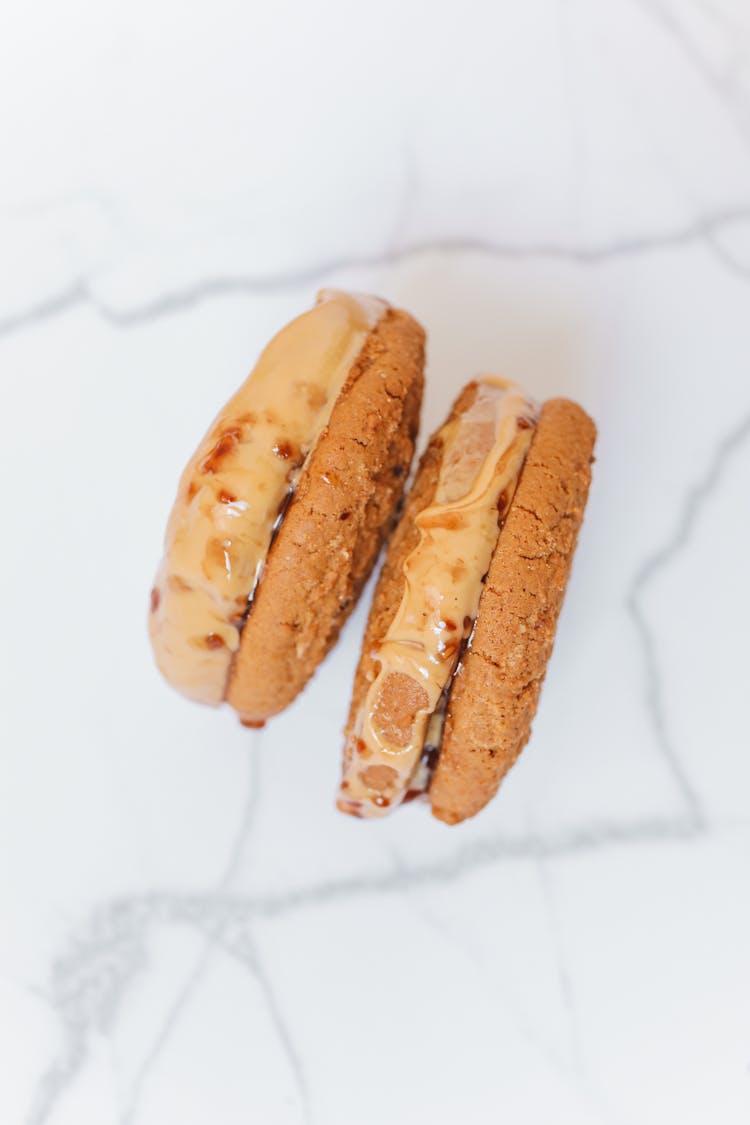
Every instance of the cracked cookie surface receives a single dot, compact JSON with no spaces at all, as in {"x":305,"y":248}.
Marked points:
{"x":496,"y":689}
{"x":335,"y":525}
{"x":494,"y":694}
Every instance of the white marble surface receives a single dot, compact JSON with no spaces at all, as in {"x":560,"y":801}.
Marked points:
{"x":189,"y":935}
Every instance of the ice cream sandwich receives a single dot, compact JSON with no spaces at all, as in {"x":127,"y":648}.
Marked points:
{"x":465,"y":610}
{"x":283,"y":508}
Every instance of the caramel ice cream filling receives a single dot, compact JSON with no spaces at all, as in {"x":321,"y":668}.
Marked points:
{"x":233,"y":493}
{"x":483,"y":451}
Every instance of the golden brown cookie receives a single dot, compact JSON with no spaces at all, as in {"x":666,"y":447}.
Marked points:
{"x":333,"y":530}
{"x":426,"y":715}
{"x":282,"y":510}
{"x":496,"y":689}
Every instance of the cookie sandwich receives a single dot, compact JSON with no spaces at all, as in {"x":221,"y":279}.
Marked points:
{"x":465,"y":610}
{"x":282,"y":510}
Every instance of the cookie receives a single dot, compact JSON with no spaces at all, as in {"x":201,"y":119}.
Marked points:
{"x":464,"y":614}
{"x":496,"y":689}
{"x":333,"y":532}
{"x":282,"y":510}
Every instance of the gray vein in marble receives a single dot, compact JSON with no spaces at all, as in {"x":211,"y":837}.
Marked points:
{"x":80,"y":292}
{"x":241,"y":943}
{"x":523,"y":1026}
{"x":718,"y":82}
{"x":565,"y":982}
{"x":203,"y":960}
{"x":728,"y":260}
{"x":417,"y":905}
{"x":87,"y":982}
{"x":729,"y":23}
{"x":90,"y":981}
{"x":575,"y":1062}
{"x":202,"y":910}
{"x":47,"y":308}
{"x":651,"y":568}
{"x":92,"y":975}
{"x":164,"y":1034}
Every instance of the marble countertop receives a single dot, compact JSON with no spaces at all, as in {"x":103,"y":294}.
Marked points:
{"x":189,"y":935}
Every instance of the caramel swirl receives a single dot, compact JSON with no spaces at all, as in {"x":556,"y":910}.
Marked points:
{"x":484,"y":448}
{"x":236,"y":485}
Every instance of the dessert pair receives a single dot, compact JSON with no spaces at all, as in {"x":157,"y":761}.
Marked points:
{"x":280,"y":517}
